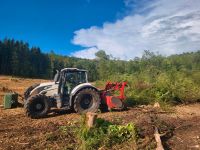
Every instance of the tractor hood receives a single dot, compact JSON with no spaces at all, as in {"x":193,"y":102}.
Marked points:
{"x":49,"y":88}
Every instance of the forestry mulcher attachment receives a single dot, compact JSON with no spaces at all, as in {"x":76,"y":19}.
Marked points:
{"x":71,"y":90}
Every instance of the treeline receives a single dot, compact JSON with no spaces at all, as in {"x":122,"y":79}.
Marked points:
{"x":151,"y":78}
{"x":18,"y":59}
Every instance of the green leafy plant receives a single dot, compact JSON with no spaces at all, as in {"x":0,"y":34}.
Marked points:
{"x":105,"y":134}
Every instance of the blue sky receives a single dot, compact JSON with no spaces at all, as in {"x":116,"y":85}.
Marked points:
{"x":50,"y":24}
{"x":123,"y":28}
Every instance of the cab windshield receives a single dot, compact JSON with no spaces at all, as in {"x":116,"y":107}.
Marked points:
{"x":76,"y":77}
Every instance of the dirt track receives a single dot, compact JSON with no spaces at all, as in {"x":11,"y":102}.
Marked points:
{"x":181,"y":125}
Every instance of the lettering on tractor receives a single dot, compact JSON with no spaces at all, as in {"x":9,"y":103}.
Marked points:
{"x":71,"y":90}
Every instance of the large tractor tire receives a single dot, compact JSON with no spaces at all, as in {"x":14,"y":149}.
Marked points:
{"x":28,"y":91}
{"x":37,"y":106}
{"x":87,"y":100}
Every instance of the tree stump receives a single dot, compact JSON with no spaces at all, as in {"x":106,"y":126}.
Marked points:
{"x":90,"y":119}
{"x":156,"y":105}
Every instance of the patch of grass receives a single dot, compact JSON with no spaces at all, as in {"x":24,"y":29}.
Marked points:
{"x":166,"y":106}
{"x":105,"y":134}
{"x":63,"y":129}
{"x":50,"y":137}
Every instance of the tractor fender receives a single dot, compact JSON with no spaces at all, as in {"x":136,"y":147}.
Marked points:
{"x":79,"y":88}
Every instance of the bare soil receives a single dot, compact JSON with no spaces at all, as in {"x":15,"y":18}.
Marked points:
{"x":9,"y":84}
{"x":180,"y":125}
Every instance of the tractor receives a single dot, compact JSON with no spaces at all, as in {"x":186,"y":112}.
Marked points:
{"x":70,"y":90}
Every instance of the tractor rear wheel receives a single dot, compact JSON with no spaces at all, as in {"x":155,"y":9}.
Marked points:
{"x":37,"y":106}
{"x":87,"y":100}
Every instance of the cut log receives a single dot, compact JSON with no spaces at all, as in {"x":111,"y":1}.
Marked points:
{"x":90,"y":119}
{"x":158,"y":140}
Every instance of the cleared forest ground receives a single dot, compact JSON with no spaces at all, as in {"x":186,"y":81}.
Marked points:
{"x":181,"y":125}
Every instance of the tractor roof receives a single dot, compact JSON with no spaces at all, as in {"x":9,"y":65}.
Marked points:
{"x":73,"y":69}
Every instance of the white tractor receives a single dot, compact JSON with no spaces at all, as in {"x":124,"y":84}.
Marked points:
{"x":69,"y":90}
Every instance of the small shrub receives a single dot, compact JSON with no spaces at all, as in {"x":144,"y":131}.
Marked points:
{"x":120,"y":133}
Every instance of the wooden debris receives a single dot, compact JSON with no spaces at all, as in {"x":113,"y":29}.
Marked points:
{"x":158,"y":140}
{"x":90,"y":119}
{"x":22,"y":143}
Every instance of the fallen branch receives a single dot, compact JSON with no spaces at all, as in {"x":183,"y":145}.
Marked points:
{"x":158,"y":139}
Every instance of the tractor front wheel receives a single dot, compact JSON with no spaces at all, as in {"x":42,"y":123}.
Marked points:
{"x":37,"y":106}
{"x":87,"y":100}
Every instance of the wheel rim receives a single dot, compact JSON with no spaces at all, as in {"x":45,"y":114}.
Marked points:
{"x":86,"y":101}
{"x":38,"y":107}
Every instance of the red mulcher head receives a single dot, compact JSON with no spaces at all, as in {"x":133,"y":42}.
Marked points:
{"x":114,"y":101}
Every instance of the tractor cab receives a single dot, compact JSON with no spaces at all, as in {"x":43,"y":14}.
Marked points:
{"x":72,"y":75}
{"x":70,"y":78}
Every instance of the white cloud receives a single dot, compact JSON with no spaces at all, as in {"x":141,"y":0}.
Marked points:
{"x":164,"y":26}
{"x":86,"y":53}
